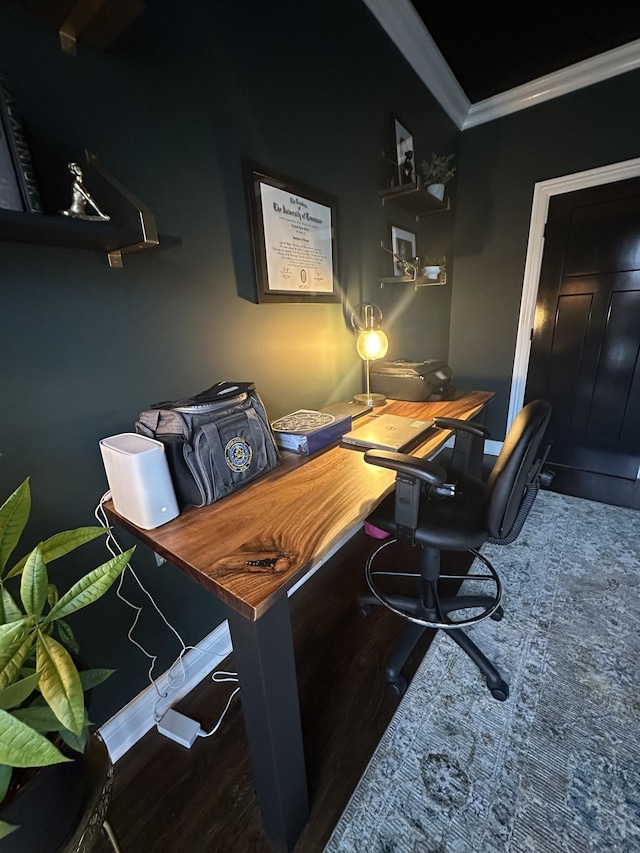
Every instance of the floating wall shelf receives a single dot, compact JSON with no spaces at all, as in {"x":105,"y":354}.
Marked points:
{"x":414,"y":198}
{"x":417,"y":281}
{"x":132,"y":227}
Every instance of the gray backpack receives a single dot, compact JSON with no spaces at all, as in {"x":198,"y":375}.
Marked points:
{"x":215,"y":442}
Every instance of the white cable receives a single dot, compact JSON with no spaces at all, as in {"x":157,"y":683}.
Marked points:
{"x":114,"y":549}
{"x":225,"y":676}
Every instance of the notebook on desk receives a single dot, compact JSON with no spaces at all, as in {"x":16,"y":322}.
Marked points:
{"x":388,"y":432}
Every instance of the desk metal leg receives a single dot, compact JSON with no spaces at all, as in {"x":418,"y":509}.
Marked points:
{"x":263,"y":655}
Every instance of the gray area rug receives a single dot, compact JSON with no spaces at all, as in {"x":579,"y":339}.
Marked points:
{"x":557,"y":766}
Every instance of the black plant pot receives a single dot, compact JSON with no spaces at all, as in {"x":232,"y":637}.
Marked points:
{"x":46,"y":808}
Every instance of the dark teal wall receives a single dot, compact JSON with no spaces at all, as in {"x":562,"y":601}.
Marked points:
{"x":500,"y":163}
{"x":306,"y":89}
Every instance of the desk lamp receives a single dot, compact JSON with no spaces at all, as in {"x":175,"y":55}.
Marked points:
{"x":372,"y":344}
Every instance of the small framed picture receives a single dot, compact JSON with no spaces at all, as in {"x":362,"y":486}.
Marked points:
{"x":405,"y":159}
{"x":18,"y":186}
{"x":403,"y":246}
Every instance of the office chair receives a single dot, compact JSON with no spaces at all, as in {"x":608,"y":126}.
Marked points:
{"x":441,"y":510}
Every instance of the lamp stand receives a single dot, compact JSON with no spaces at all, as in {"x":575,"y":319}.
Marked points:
{"x":369,"y":399}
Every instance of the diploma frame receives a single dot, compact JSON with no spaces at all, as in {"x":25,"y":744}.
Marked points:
{"x":299,"y":286}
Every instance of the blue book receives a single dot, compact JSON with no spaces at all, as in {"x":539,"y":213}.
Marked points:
{"x":306,"y":430}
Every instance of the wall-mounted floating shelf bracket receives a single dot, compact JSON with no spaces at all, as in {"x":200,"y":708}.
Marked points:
{"x":414,"y":198}
{"x":131,"y":211}
{"x":97,"y":23}
{"x":410,"y":268}
{"x":417,"y":281}
{"x":132,"y":227}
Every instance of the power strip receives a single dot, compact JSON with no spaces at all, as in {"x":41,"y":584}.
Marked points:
{"x":176,"y":726}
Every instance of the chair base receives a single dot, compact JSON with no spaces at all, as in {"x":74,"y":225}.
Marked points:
{"x":429,"y":611}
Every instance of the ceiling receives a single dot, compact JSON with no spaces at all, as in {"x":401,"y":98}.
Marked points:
{"x":492,"y":47}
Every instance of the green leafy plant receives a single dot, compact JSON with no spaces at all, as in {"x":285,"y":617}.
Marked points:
{"x":431,"y":260}
{"x":438,"y":170}
{"x":41,"y":689}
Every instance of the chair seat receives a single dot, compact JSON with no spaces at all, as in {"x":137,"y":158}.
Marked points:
{"x":449,"y":524}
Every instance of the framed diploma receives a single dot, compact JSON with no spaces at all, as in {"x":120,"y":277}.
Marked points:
{"x":294,"y":245}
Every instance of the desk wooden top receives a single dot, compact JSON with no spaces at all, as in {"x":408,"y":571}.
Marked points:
{"x":293,"y":515}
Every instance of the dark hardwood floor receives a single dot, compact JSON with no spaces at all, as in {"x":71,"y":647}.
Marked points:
{"x":171,"y":799}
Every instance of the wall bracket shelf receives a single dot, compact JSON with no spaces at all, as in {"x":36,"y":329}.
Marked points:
{"x":416,"y":280}
{"x":411,"y":276}
{"x":414,"y":198}
{"x":132,"y":227}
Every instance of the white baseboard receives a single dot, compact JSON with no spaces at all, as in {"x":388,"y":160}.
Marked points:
{"x":128,"y":725}
{"x":133,"y":721}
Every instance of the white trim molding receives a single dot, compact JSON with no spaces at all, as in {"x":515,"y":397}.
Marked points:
{"x":133,"y":721}
{"x":407,"y":31}
{"x":570,"y":79}
{"x":542,"y":193}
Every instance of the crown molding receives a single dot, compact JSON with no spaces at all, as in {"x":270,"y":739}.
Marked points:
{"x":570,"y":79}
{"x":406,"y":29}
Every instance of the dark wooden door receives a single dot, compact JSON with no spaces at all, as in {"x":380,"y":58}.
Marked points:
{"x":586,"y":339}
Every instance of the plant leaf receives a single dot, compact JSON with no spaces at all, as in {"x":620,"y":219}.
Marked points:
{"x":90,"y":587}
{"x":12,"y":638}
{"x":11,"y":611}
{"x":77,"y":742}
{"x":5,"y":780}
{"x":67,"y":636}
{"x":40,"y":717}
{"x":20,"y":746}
{"x":60,"y":544}
{"x":11,"y":634}
{"x":17,"y":692}
{"x":52,"y":594}
{"x":14,"y":666}
{"x":14,"y":515}
{"x":92,"y":677}
{"x":7,"y":828}
{"x":33,"y":587}
{"x":60,"y":683}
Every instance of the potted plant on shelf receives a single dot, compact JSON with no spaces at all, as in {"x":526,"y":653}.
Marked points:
{"x":437,"y":172}
{"x":432,"y":266}
{"x":43,"y":719}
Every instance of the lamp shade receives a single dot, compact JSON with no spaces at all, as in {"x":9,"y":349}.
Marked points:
{"x":372,"y":344}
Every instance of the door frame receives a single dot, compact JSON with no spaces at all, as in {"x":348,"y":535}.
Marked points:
{"x":542,"y":193}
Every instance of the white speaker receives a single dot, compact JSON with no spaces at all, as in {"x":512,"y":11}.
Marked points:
{"x":139,"y":479}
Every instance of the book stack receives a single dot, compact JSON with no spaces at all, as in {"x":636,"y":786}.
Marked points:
{"x":305,"y":430}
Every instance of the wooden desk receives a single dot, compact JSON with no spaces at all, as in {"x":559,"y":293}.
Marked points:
{"x":249,"y":549}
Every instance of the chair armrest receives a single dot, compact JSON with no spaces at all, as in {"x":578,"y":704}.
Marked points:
{"x":420,"y":469}
{"x":463,"y":426}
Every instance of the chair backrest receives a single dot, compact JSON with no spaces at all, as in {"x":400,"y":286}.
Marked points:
{"x":507,"y":481}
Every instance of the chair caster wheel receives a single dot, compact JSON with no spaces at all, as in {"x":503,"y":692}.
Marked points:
{"x":497,"y":615}
{"x":398,"y":687}
{"x":364,"y":610}
{"x":500,"y":692}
